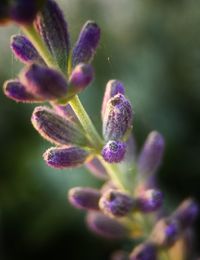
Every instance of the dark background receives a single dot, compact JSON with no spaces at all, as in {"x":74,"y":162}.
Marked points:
{"x":154,"y":48}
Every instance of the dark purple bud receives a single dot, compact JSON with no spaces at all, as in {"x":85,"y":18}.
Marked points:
{"x":65,"y":157}
{"x":114,"y":151}
{"x":57,"y":129}
{"x":87,"y":43}
{"x":117,"y":119}
{"x":24,"y":50}
{"x":166,"y":232}
{"x":187,"y":213}
{"x":14,"y":90}
{"x":116,"y":204}
{"x":105,"y":226}
{"x":97,"y":169}
{"x":113,"y":87}
{"x":120,"y":255}
{"x":52,"y":27}
{"x":80,"y":78}
{"x":149,"y":200}
{"x":23,"y":11}
{"x":44,"y":82}
{"x":146,"y":251}
{"x":151,"y":154}
{"x":84,"y":198}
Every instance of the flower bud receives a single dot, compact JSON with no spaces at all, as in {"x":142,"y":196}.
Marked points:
{"x":80,"y":78}
{"x":186,"y":213}
{"x":105,"y":226}
{"x":84,"y":198}
{"x":24,"y":50}
{"x":113,"y":87}
{"x":55,"y":128}
{"x":114,"y":151}
{"x":97,"y":169}
{"x":52,"y":27}
{"x":118,"y":117}
{"x":115,"y":203}
{"x":86,"y":44}
{"x":145,"y":251}
{"x":151,"y":154}
{"x":44,"y":82}
{"x":65,"y":157}
{"x":149,"y":200}
{"x":14,"y":90}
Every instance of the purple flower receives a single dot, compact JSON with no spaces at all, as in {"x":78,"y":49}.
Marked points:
{"x":145,"y":251}
{"x":84,"y":198}
{"x":86,"y":44}
{"x":65,"y":157}
{"x":117,"y":120}
{"x":114,"y":151}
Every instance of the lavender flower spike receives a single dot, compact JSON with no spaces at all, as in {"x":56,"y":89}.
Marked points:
{"x":145,"y":251}
{"x":14,"y":90}
{"x":114,"y":151}
{"x":117,"y":120}
{"x":55,"y":128}
{"x":105,"y":226}
{"x":149,"y":200}
{"x":116,"y":203}
{"x":84,"y":198}
{"x":86,"y":44}
{"x":65,"y":157}
{"x":151,"y":154}
{"x":44,"y":82}
{"x":24,"y":50}
{"x":113,"y":87}
{"x":52,"y":26}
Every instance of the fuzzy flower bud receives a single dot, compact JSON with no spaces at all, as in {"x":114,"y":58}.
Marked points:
{"x":113,"y":87}
{"x":52,"y":27}
{"x":145,"y":251}
{"x":114,"y":151}
{"x":117,"y":120}
{"x":151,"y":154}
{"x":65,"y":157}
{"x":149,"y":200}
{"x":44,"y":82}
{"x":55,"y":128}
{"x":97,"y":169}
{"x":86,"y":44}
{"x":115,"y":203}
{"x":84,"y":198}
{"x":105,"y":226}
{"x":24,"y":50}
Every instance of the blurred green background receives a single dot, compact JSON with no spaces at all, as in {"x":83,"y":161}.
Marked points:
{"x":154,"y":48}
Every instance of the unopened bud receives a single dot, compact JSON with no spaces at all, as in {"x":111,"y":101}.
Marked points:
{"x":145,"y":251}
{"x":114,"y":151}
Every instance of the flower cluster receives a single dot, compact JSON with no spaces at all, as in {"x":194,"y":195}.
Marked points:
{"x":129,"y":204}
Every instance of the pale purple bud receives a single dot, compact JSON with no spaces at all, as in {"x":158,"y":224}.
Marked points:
{"x":65,"y":157}
{"x":66,"y":111}
{"x":80,"y":78}
{"x":87,"y":43}
{"x":114,"y":151}
{"x":97,"y":169}
{"x":84,"y":198}
{"x":120,"y":255}
{"x":117,"y":120}
{"x":145,"y":251}
{"x":151,"y":154}
{"x":55,"y":128}
{"x":166,"y":232}
{"x":14,"y":90}
{"x":113,"y":87}
{"x":44,"y":82}
{"x":149,"y":200}
{"x":116,"y":204}
{"x":105,"y":226}
{"x":52,"y":27}
{"x":186,"y":213}
{"x":24,"y":50}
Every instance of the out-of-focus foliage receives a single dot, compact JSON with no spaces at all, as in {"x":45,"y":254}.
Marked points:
{"x":154,"y":48}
